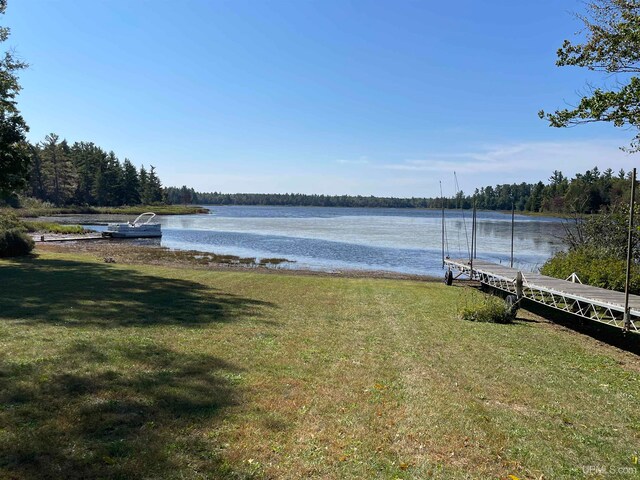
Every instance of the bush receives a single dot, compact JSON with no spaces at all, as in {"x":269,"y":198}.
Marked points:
{"x":594,"y":266}
{"x":14,"y":242}
{"x":488,"y":308}
{"x":10,"y":221}
{"x":35,"y":203}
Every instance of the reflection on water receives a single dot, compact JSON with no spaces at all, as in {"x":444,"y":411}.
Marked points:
{"x":399,"y":240}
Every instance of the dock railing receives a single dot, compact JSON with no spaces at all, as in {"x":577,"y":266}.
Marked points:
{"x":593,"y":303}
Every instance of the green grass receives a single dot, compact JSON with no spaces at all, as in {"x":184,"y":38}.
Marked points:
{"x":121,"y":371}
{"x":157,"y":209}
{"x":9,"y":220}
{"x":52,"y":227}
{"x":43,"y":211}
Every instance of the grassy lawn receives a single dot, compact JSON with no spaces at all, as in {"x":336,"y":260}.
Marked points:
{"x":120,"y":371}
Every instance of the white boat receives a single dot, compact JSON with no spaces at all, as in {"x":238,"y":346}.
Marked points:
{"x":136,"y":229}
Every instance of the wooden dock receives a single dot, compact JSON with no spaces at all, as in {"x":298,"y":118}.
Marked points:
{"x":593,"y":303}
{"x":66,"y":238}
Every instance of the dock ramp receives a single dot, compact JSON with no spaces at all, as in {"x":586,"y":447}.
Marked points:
{"x":593,"y":303}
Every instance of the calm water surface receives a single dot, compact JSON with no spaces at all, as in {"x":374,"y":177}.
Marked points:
{"x":398,"y":240}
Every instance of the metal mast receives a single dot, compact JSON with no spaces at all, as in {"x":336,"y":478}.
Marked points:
{"x":473,"y":235}
{"x":442,"y":202}
{"x":513,"y":224}
{"x":627,"y":313}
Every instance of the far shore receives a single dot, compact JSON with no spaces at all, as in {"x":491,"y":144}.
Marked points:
{"x":61,"y":212}
{"x":32,"y":212}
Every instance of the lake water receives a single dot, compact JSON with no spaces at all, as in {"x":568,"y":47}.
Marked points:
{"x":398,"y":240}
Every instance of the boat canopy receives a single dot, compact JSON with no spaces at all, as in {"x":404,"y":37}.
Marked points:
{"x":137,"y":220}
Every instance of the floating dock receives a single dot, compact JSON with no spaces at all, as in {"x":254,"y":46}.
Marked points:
{"x":67,"y":237}
{"x":571,"y":296}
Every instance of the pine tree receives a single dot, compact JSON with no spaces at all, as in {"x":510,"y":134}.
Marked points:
{"x":87,"y":159}
{"x":100,"y":187}
{"x":36,"y":175}
{"x":143,"y":180}
{"x":108,"y":189}
{"x":115,"y":179}
{"x":58,"y":171}
{"x":130,"y":184}
{"x":152,"y":192}
{"x":186,"y":196}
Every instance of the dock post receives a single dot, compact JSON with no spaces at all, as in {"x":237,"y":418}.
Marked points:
{"x":519,"y":284}
{"x":627,"y":320}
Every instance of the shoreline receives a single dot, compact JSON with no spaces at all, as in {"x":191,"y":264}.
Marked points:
{"x":192,"y":259}
{"x":33,"y":212}
{"x":436,"y":209}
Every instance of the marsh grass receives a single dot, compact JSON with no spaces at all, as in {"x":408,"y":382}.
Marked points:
{"x":52,"y":227}
{"x":140,"y":254}
{"x":274,"y":261}
{"x":47,"y":210}
{"x":133,"y":371}
{"x":9,"y":220}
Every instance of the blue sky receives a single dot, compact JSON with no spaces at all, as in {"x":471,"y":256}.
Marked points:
{"x":336,"y":97}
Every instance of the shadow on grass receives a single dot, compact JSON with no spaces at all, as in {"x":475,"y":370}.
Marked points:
{"x":611,"y":335}
{"x":84,"y":294}
{"x":136,"y":411}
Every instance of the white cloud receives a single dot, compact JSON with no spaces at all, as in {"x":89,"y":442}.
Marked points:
{"x":280,"y":182}
{"x":519,"y":160}
{"x":359,"y":161}
{"x":488,"y":165}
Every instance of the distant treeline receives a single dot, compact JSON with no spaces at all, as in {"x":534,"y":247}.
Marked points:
{"x":85,"y":174}
{"x":187,"y":195}
{"x":588,"y":192}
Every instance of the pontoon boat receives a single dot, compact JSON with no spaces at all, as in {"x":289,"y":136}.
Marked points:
{"x":135,"y":229}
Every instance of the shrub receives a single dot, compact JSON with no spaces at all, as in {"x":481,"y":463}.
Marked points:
{"x":9,"y":221}
{"x":488,"y":308}
{"x":594,"y":266}
{"x":35,"y":203}
{"x":14,"y":242}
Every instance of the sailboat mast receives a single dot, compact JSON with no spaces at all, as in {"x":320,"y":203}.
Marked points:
{"x":627,"y":313}
{"x":475,"y":231}
{"x":473,"y":235}
{"x":513,"y":225}
{"x":442,"y":205}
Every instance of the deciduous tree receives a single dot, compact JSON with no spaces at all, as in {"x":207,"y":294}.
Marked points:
{"x":612,"y":46}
